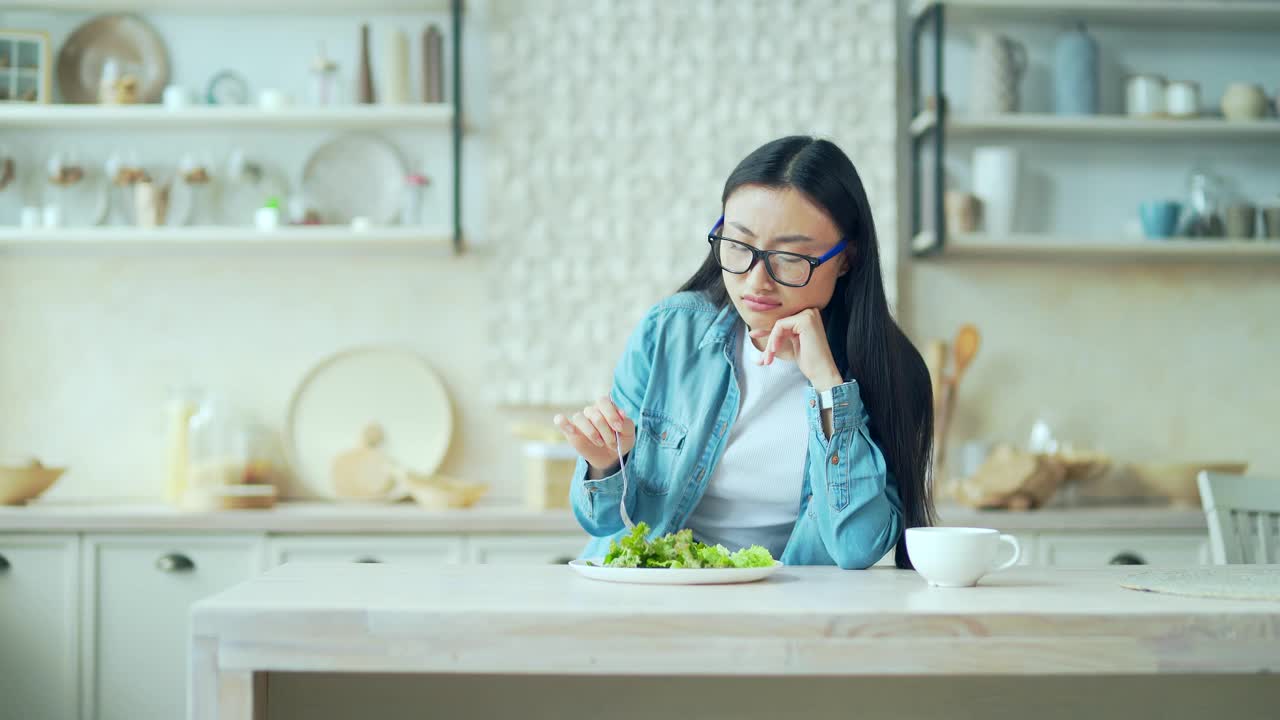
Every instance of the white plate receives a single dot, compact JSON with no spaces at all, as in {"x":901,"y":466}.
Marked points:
{"x":355,"y":175}
{"x":345,"y":392}
{"x":667,"y":576}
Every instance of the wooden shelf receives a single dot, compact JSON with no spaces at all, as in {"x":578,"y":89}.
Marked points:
{"x":1045,"y":247}
{"x":1252,"y":15}
{"x":183,"y":239}
{"x":1102,"y":127}
{"x":201,"y":7}
{"x":204,"y":116}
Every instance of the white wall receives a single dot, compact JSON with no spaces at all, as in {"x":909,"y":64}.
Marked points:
{"x":601,"y":141}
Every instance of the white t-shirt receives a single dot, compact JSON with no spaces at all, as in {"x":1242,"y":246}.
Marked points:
{"x":753,"y":496}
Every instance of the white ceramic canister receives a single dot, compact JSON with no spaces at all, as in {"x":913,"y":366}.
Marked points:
{"x":1145,"y":95}
{"x":1182,"y":99}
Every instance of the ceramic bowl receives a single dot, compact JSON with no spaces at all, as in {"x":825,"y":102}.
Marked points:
{"x":1177,"y":481}
{"x":22,"y":482}
{"x":437,"y":492}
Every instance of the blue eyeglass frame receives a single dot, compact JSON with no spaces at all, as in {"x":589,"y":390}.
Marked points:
{"x":758,"y":254}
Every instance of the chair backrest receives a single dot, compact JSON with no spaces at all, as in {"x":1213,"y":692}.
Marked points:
{"x":1244,"y":517}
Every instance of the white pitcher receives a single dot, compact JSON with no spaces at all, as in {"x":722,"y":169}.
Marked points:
{"x":995,"y":73}
{"x":995,"y":182}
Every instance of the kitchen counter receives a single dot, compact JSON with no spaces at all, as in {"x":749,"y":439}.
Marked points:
{"x":1019,"y":625}
{"x":328,"y":517}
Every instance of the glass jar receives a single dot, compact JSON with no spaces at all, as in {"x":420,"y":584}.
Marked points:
{"x":413,"y":202}
{"x":216,"y":447}
{"x":1202,"y":218}
{"x":123,"y":170}
{"x":195,"y":177}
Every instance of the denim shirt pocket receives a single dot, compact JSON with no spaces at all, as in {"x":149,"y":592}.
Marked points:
{"x":659,"y":440}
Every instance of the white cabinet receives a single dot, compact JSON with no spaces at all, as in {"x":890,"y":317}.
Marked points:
{"x":95,"y":627}
{"x":1132,"y":548}
{"x":138,"y":592}
{"x":39,"y":627}
{"x":366,"y":548}
{"x":528,"y":550}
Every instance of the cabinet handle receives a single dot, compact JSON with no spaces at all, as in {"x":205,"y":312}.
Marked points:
{"x":4,"y":564}
{"x":368,"y":560}
{"x":1127,"y":558}
{"x":174,"y":562}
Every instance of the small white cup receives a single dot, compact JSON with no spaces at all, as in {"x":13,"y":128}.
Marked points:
{"x":957,"y":556}
{"x":30,"y":217}
{"x":52,"y":216}
{"x":176,"y":97}
{"x":266,"y":218}
{"x":272,"y":99}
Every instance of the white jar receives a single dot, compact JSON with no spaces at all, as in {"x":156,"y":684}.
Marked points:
{"x":1182,"y":99}
{"x":1144,"y":95}
{"x":1243,"y":101}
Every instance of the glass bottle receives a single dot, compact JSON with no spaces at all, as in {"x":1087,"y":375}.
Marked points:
{"x":183,"y":405}
{"x":324,"y":79}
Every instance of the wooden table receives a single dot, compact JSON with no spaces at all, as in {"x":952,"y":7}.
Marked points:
{"x":812,"y":623}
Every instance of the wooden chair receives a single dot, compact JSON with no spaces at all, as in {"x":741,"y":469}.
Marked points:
{"x":1244,"y":517}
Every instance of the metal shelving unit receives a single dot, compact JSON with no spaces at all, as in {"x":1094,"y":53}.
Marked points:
{"x":932,"y":124}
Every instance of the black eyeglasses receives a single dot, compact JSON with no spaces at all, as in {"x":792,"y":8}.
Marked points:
{"x":790,"y":269}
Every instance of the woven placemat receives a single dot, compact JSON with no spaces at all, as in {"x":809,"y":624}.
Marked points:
{"x":1234,"y":582}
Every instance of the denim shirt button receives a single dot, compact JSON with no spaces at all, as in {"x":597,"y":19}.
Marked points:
{"x":835,"y":459}
{"x":813,"y":403}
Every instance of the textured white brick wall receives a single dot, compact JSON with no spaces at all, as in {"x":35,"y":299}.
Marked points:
{"x":614,"y":126}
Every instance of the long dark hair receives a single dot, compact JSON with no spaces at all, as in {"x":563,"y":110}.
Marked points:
{"x":867,"y":344}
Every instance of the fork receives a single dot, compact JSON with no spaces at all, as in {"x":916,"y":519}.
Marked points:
{"x":622,"y":504}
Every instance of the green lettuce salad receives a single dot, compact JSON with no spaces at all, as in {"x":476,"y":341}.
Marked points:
{"x":678,"y":550}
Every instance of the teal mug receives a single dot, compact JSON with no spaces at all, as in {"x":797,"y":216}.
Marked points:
{"x":1159,"y":217}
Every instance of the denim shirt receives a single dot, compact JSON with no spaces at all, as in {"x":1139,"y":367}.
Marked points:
{"x":676,"y":380}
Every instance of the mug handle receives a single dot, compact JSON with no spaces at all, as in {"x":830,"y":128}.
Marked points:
{"x":1017,"y":552}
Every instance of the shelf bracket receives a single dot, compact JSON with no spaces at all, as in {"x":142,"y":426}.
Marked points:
{"x":929,"y":20}
{"x":455,"y":10}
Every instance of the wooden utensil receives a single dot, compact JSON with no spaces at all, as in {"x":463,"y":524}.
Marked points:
{"x":365,"y":473}
{"x":935,"y":358}
{"x":964,"y":348}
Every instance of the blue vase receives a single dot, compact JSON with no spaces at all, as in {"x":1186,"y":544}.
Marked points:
{"x":1075,"y":73}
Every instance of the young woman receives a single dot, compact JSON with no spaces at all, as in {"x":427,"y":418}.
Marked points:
{"x":772,"y":400}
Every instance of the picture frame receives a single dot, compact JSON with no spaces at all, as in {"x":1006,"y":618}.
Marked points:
{"x":26,"y":67}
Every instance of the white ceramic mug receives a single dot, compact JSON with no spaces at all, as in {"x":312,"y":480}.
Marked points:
{"x":957,"y":556}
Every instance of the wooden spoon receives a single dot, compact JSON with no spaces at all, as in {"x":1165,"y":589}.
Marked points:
{"x":965,"y":347}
